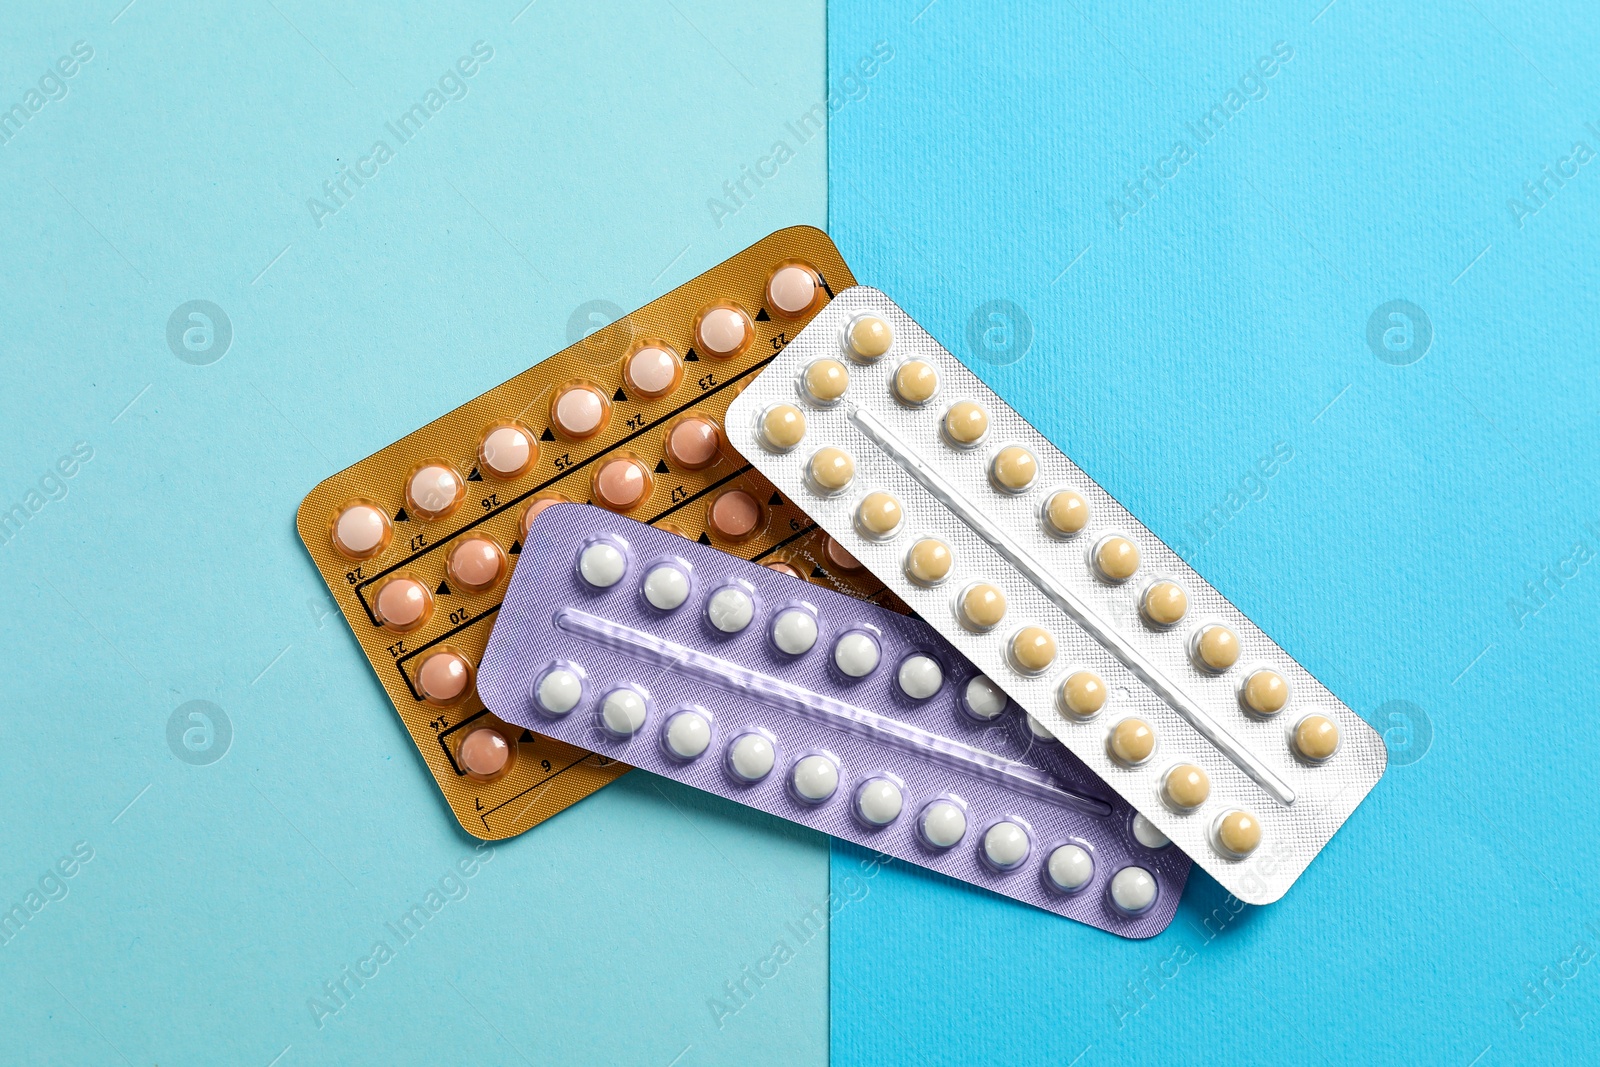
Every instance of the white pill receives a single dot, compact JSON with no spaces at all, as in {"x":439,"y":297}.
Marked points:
{"x":879,"y":801}
{"x":751,"y":757}
{"x":920,"y":677}
{"x":1070,"y":867}
{"x":1040,"y":733}
{"x":688,"y":734}
{"x":794,"y":631}
{"x":559,"y":691}
{"x":985,"y":699}
{"x":1133,"y":889}
{"x":1148,"y":834}
{"x":730,"y":610}
{"x":666,"y":587}
{"x":943,"y":824}
{"x":856,"y":654}
{"x":623,"y":712}
{"x":602,"y":565}
{"x":1005,"y":845}
{"x":815,"y":778}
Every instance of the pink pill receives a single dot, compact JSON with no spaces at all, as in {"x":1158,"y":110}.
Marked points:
{"x":403,"y":604}
{"x":484,"y":752}
{"x":723,"y":331}
{"x":694,"y":443}
{"x":536,"y":507}
{"x":476,"y":564}
{"x":620,"y":484}
{"x":361,"y":531}
{"x":444,"y":678}
{"x":652,"y":371}
{"x":793,"y":290}
{"x":579,"y":411}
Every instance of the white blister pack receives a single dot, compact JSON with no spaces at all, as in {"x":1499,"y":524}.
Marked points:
{"x":1088,"y":620}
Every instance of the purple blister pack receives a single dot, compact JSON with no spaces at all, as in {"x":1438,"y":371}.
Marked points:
{"x":807,"y":704}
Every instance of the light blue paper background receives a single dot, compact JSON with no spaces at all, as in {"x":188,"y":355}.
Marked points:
{"x":220,"y":898}
{"x":1229,"y":314}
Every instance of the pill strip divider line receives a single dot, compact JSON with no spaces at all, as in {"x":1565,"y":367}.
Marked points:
{"x":1068,"y":601}
{"x":824,"y":710}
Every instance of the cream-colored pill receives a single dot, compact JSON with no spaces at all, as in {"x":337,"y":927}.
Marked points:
{"x":1033,"y":649}
{"x":929,"y":561}
{"x":782,"y":427}
{"x":1132,"y":741}
{"x":1116,"y":558}
{"x":916,"y":381}
{"x":1066,"y":513}
{"x":1316,"y":738}
{"x":879,"y":515}
{"x":1265,"y":692}
{"x":1014,"y":468}
{"x":1164,"y":603}
{"x":1083,"y":694}
{"x":966,"y":422}
{"x":1186,"y":787}
{"x":869,"y":337}
{"x":1217,"y":648}
{"x":982,"y":606}
{"x":826,"y":380}
{"x":832,"y":469}
{"x":1238,"y":833}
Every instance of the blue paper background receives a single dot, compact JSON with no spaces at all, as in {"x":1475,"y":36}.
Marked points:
{"x":1228,"y":314}
{"x":221,"y":897}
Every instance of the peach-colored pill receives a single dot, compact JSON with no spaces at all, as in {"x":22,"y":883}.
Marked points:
{"x":507,"y":450}
{"x":723,"y":331}
{"x":841,"y":558}
{"x":536,"y":506}
{"x":734,"y":515}
{"x":403,"y":604}
{"x":785,"y":568}
{"x":694,"y":444}
{"x":795,"y":290}
{"x":434,"y":490}
{"x":579,"y":411}
{"x":484,"y":752}
{"x":621,"y":483}
{"x":475,"y":564}
{"x":444,"y":677}
{"x":653,"y":370}
{"x":361,"y":531}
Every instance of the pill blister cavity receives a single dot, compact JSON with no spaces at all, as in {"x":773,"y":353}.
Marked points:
{"x":687,"y":735}
{"x":507,"y":450}
{"x":1316,"y":738}
{"x":1006,"y":846}
{"x":794,"y":631}
{"x":666,"y":587}
{"x":929,"y":561}
{"x":1265,"y":692}
{"x":652,"y":370}
{"x":361,"y":530}
{"x":1237,"y":834}
{"x":782,"y":427}
{"x":840,"y":557}
{"x":1133,"y":890}
{"x":826,"y":380}
{"x":623,"y":712}
{"x":943,"y":824}
{"x":1116,"y":559}
{"x":966,"y":423}
{"x":982,"y":699}
{"x":1132,"y":741}
{"x":475,"y":564}
{"x":1065,"y":513}
{"x":981,"y":606}
{"x":602,"y":564}
{"x":868,"y":337}
{"x":730,"y":609}
{"x":1164,"y":604}
{"x":814,"y":778}
{"x":1148,"y":833}
{"x":1185,"y":787}
{"x":444,"y":678}
{"x":723,"y":331}
{"x":856,"y":654}
{"x":579,"y":411}
{"x":1038,"y":731}
{"x":559,"y":691}
{"x":795,"y":290}
{"x":916,"y":382}
{"x":879,"y":516}
{"x":1014,"y":469}
{"x":1216,"y":648}
{"x":751,"y":757}
{"x":831,"y":469}
{"x":1083,"y":694}
{"x":484,"y":753}
{"x":402,"y":604}
{"x":1069,"y":868}
{"x":1033,"y":649}
{"x":878,"y":802}
{"x":693,"y":443}
{"x":919,"y":676}
{"x":734,"y":515}
{"x":784,"y":567}
{"x":536,"y":507}
{"x":621,"y":483}
{"x":434,"y":491}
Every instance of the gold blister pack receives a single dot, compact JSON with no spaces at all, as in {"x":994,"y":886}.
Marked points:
{"x":416,"y":542}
